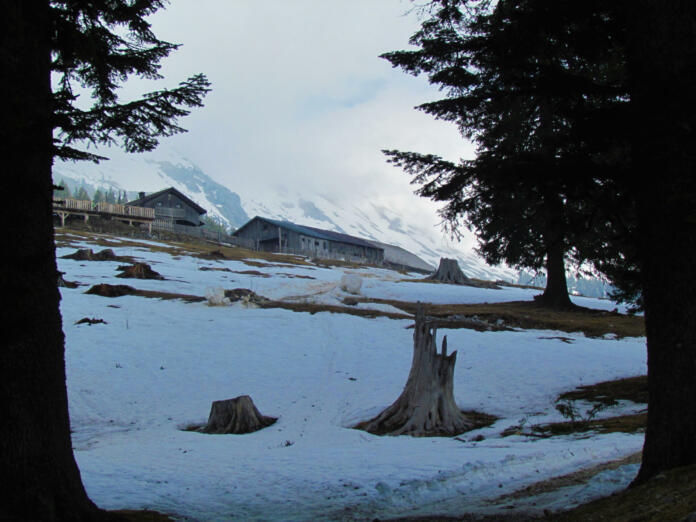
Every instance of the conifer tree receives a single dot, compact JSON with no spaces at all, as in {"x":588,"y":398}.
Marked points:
{"x":63,"y":192}
{"x":626,"y":147}
{"x":82,"y":194}
{"x":110,"y":196}
{"x":519,"y":92}
{"x":96,"y":45}
{"x":98,"y":196}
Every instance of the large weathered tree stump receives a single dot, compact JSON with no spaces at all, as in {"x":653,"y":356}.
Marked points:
{"x":449,"y":272}
{"x":426,"y":407}
{"x":238,"y":415}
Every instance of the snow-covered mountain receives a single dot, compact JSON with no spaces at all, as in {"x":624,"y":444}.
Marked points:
{"x":234,"y":206}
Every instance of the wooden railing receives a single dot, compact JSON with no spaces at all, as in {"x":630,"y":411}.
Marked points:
{"x":105,"y":208}
{"x":140,"y":212}
{"x":75,"y":204}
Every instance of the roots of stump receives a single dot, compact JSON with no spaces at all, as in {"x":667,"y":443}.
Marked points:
{"x":238,"y":415}
{"x":426,"y":407}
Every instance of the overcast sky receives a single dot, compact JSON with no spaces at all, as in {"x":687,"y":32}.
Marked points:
{"x":300,"y":96}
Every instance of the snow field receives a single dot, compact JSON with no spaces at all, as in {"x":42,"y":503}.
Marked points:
{"x":157,"y":366}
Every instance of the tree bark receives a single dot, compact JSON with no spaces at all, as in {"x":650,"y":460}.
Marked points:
{"x":426,"y":406}
{"x":40,"y":479}
{"x":556,"y":292}
{"x":662,"y":61}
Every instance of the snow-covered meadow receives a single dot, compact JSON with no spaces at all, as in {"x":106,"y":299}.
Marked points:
{"x":157,"y":365}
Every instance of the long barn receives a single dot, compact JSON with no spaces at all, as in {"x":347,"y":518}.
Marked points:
{"x":283,"y":236}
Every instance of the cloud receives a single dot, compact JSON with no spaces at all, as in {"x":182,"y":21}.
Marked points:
{"x":301,"y":98}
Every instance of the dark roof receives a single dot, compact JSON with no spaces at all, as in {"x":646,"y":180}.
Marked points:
{"x":317,"y":233}
{"x":142,"y":201}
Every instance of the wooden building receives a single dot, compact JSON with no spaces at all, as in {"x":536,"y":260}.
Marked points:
{"x":173,"y":209}
{"x":399,"y":258}
{"x":283,"y":236}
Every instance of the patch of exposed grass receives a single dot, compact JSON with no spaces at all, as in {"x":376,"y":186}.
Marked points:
{"x":190,"y":247}
{"x":634,"y":389}
{"x":668,"y":496}
{"x":106,"y":290}
{"x":314,"y":308}
{"x":572,"y":479}
{"x":602,"y":394}
{"x":252,"y":273}
{"x":528,"y":315}
{"x":621,"y":424}
{"x":477,"y":283}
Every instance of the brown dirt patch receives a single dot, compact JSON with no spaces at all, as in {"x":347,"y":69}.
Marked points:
{"x":622,"y":423}
{"x":295,"y":276}
{"x":477,"y":283}
{"x":214,"y":269}
{"x":526,"y":315}
{"x":138,"y":271}
{"x":571,"y":479}
{"x":252,"y":273}
{"x":88,"y":321}
{"x":188,"y":246}
{"x":87,"y":254}
{"x":313,"y":308}
{"x":107,"y":290}
{"x":668,"y":496}
{"x":633,"y":389}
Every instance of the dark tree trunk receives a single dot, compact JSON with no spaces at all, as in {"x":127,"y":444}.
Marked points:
{"x":38,"y":473}
{"x":426,"y":406}
{"x":662,"y":62}
{"x":556,"y":292}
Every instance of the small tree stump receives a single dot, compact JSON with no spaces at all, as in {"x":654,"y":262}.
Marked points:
{"x":138,"y":271}
{"x":426,"y":406}
{"x":449,"y":272}
{"x":238,"y":415}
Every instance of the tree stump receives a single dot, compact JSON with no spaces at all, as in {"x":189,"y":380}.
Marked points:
{"x":449,"y":272}
{"x":138,"y":271}
{"x":238,"y":415}
{"x":426,"y":407}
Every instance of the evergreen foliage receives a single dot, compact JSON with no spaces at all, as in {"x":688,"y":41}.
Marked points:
{"x":97,"y":46}
{"x":63,"y":192}
{"x":216,"y":224}
{"x":526,"y":96}
{"x":584,"y":117}
{"x":98,"y":196}
{"x":82,"y":194}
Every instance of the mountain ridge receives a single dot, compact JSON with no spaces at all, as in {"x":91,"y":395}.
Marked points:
{"x":363,"y":218}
